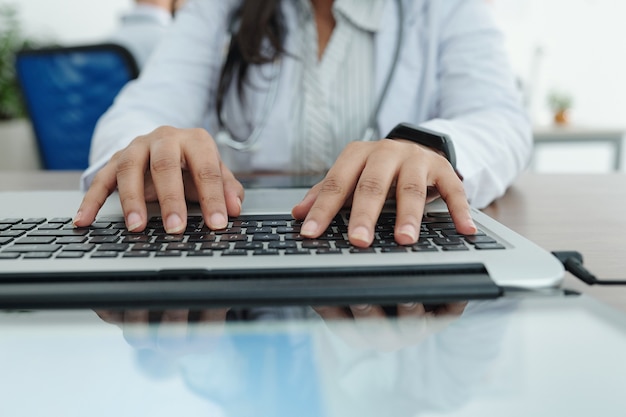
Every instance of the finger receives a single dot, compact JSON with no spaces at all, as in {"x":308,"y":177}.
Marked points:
{"x":301,"y":209}
{"x":367,"y":311}
{"x":335,"y":188}
{"x":110,"y":316}
{"x":202,"y":157}
{"x":411,"y":193}
{"x":451,"y":189}
{"x":339,"y":321}
{"x":233,"y":192}
{"x":371,"y":193}
{"x":451,"y":309}
{"x":376,"y":329}
{"x":411,"y":310}
{"x":131,"y":167}
{"x":136,"y":329}
{"x":166,"y":170}
{"x":332,"y":312}
{"x":102,"y":186}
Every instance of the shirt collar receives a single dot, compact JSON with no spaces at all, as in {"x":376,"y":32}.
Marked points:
{"x":364,"y":14}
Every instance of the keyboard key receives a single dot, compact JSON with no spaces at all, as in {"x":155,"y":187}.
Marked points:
{"x":79,"y":247}
{"x":37,"y":255}
{"x":200,"y":253}
{"x":113,"y":247}
{"x":215,"y":245}
{"x":295,"y":251}
{"x":450,"y":248}
{"x":473,"y":239}
{"x":235,"y":252}
{"x":489,"y":246}
{"x":39,"y":240}
{"x":6,"y":239}
{"x":264,"y":252}
{"x":105,"y":254}
{"x":31,"y":248}
{"x":9,"y":255}
{"x":33,"y":220}
{"x":136,"y":254}
{"x":60,"y":232}
{"x":69,"y":255}
{"x":10,"y":221}
{"x":168,"y":254}
{"x":287,"y":244}
{"x":74,"y":239}
{"x":328,"y":251}
{"x":362,"y":250}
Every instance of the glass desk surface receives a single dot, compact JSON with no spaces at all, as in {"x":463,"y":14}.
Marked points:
{"x":531,"y":356}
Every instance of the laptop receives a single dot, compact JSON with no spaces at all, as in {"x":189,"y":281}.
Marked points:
{"x":260,"y":259}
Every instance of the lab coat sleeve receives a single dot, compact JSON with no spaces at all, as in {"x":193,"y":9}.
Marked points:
{"x":479,"y":104}
{"x":189,"y":58}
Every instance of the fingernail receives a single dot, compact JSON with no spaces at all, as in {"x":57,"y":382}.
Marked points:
{"x":239,"y":203}
{"x":77,"y":218}
{"x":361,"y":307}
{"x":133,"y":221}
{"x":309,"y":228}
{"x":472,"y":225}
{"x":409,"y":230}
{"x":173,"y":224}
{"x":218,"y":221}
{"x":408,"y":306}
{"x":361,"y":234}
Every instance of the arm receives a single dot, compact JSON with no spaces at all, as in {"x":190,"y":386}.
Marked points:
{"x":189,"y":58}
{"x":479,"y":104}
{"x":148,"y":145}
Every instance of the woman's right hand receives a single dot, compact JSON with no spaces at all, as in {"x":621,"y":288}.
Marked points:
{"x":168,"y":165}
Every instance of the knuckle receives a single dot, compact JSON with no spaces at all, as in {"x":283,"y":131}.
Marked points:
{"x":414,"y":189}
{"x":164,"y":164}
{"x":129,"y":199}
{"x":211,"y":200}
{"x":125,"y":162}
{"x":207,"y":174}
{"x":331,"y":185}
{"x":170,"y":199}
{"x":371,"y":186}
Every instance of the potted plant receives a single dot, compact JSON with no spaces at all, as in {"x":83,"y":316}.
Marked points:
{"x":18,"y":149}
{"x":11,"y":40}
{"x":560,"y":103}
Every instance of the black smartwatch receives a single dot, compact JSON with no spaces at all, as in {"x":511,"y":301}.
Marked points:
{"x":429,"y":138}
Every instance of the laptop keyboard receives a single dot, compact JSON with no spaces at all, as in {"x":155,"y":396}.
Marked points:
{"x":261,"y":235}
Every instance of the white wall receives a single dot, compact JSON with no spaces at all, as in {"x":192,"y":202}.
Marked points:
{"x":578,"y":47}
{"x":70,"y":21}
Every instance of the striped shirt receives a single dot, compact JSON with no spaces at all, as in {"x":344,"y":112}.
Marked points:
{"x":337,"y":90}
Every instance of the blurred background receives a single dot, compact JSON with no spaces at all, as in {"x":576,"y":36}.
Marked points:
{"x":568,"y":55}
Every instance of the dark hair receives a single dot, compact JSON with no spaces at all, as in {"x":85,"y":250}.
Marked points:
{"x":260,"y":24}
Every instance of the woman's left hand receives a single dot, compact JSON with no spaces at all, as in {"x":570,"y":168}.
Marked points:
{"x":365,"y":172}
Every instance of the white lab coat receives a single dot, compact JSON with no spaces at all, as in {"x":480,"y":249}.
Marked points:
{"x":453,"y":76}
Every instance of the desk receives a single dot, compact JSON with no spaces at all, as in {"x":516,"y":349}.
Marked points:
{"x":571,"y":134}
{"x":531,"y":356}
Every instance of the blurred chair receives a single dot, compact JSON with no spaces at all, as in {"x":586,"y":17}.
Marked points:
{"x":66,"y":90}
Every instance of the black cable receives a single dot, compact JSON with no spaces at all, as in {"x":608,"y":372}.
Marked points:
{"x":573,"y":263}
